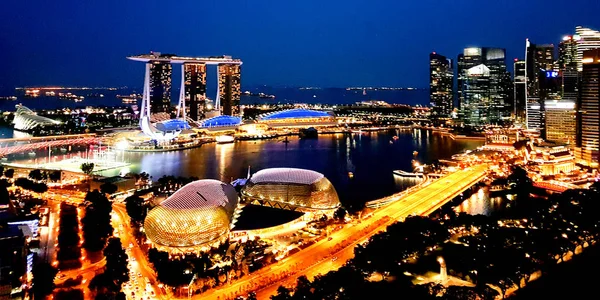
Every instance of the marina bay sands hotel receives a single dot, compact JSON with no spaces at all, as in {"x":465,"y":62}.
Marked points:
{"x":193,"y":83}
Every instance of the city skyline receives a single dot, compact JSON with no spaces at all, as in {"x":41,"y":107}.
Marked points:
{"x":332,"y":41}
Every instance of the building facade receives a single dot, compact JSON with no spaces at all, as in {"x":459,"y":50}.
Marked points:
{"x":229,"y":89}
{"x":160,"y":86}
{"x":484,"y":87}
{"x":539,"y":59}
{"x":560,"y":121}
{"x":587,"y":39}
{"x":441,"y":84}
{"x":195,"y":89}
{"x":588,"y":106}
{"x":519,"y":90}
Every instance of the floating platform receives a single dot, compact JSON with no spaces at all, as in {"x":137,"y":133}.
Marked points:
{"x":402,"y":173}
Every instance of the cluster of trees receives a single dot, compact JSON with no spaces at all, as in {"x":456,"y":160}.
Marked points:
{"x":68,"y":238}
{"x":96,"y":222}
{"x":39,"y":175}
{"x":107,"y":285}
{"x":30,"y":185}
{"x":179,"y":271}
{"x":43,"y":280}
{"x":173,"y":183}
{"x":136,"y":209}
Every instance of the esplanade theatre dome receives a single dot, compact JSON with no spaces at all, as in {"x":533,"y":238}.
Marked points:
{"x":200,"y":213}
{"x":290,"y":188}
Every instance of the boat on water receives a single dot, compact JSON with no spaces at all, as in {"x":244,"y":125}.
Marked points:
{"x":31,"y":153}
{"x":224,"y":139}
{"x":286,"y":140}
{"x":308,"y":133}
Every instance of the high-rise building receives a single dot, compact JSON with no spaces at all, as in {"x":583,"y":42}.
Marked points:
{"x":587,"y":39}
{"x":195,"y":89}
{"x":229,"y":89}
{"x":519,"y":89}
{"x":441,"y":83}
{"x":567,"y":54}
{"x":160,"y":86}
{"x":539,"y":59}
{"x":560,"y":121}
{"x":588,"y":107}
{"x":484,"y":86}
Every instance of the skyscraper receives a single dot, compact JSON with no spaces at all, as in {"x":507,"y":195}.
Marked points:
{"x":229,"y":88}
{"x":587,"y":39}
{"x":195,"y":89}
{"x":160,"y":86}
{"x":539,"y":59}
{"x":560,"y":121}
{"x":588,"y":106}
{"x":519,"y":89}
{"x":441,"y":83}
{"x":484,"y":87}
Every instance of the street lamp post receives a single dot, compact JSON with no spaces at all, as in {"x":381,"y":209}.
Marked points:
{"x":443,"y":270}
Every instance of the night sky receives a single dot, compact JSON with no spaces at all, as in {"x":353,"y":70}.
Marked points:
{"x":282,"y":42}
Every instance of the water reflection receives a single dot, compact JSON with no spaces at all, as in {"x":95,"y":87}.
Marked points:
{"x":480,"y":203}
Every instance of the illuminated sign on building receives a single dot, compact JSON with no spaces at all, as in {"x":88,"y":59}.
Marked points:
{"x":551,"y":74}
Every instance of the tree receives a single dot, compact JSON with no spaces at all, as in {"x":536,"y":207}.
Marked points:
{"x":36,"y":174}
{"x":55,"y":176}
{"x":116,"y":261}
{"x":9,"y":173}
{"x":4,"y":195}
{"x":1,"y":170}
{"x":96,"y":222}
{"x":43,"y":279}
{"x":339,"y":214}
{"x":135,"y":208}
{"x":283,"y":293}
{"x":108,"y":188}
{"x":519,"y":182}
{"x":87,"y":168}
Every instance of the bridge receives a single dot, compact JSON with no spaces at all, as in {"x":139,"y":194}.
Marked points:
{"x":315,"y":259}
{"x":555,"y":186}
{"x":21,"y":145}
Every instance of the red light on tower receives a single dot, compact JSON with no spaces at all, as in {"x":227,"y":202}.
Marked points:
{"x":516,"y":59}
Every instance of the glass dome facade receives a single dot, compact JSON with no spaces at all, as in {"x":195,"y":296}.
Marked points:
{"x":290,"y":188}
{"x":299,"y":113}
{"x":199,"y":213}
{"x":221,"y":121}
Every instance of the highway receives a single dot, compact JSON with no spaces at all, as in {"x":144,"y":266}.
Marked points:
{"x":331,"y":253}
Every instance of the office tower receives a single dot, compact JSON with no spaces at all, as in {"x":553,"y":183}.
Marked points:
{"x":560,"y":121}
{"x":539,"y":59}
{"x":484,"y":86}
{"x":160,"y":86}
{"x":13,"y":263}
{"x":587,"y":39}
{"x":567,"y":54}
{"x":441,"y":83}
{"x":519,"y":89}
{"x":229,"y":89}
{"x":195,"y":89}
{"x":588,"y":117}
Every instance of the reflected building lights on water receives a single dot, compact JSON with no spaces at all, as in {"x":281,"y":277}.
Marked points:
{"x":480,"y":203}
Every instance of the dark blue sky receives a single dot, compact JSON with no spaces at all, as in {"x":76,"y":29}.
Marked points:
{"x":282,"y":42}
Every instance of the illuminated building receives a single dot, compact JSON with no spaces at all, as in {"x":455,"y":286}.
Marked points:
{"x":197,"y":216}
{"x":587,"y":39}
{"x":567,"y":64}
{"x":13,"y":260}
{"x":229,"y":89}
{"x":291,"y":189}
{"x":193,"y":86}
{"x":441,"y":83}
{"x":539,"y":59}
{"x":195,"y":89}
{"x":298,"y":117}
{"x":550,"y":160}
{"x":26,"y":119}
{"x":588,"y":106}
{"x":160,"y":86}
{"x":519,"y":89}
{"x":221,"y":123}
{"x":484,"y":88}
{"x":560,"y":121}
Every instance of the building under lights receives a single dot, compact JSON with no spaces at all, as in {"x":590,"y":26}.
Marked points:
{"x":292,"y":189}
{"x":560,"y":121}
{"x":194,"y":75}
{"x":587,"y":39}
{"x":197,"y":216}
{"x":588,"y":106}
{"x":519,"y":90}
{"x":298,"y":117}
{"x":26,"y":119}
{"x":441,"y":83}
{"x":229,"y":88}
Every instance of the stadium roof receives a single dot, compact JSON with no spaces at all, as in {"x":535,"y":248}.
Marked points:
{"x":172,"y":125}
{"x":296,"y":114}
{"x":286,"y":175}
{"x":221,"y":121}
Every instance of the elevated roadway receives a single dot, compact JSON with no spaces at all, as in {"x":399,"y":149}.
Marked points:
{"x":329,"y":254}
